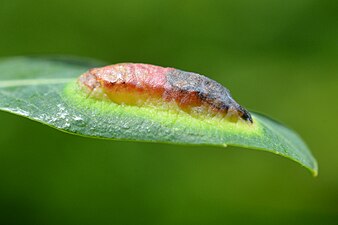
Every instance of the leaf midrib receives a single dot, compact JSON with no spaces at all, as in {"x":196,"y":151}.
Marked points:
{"x":31,"y":82}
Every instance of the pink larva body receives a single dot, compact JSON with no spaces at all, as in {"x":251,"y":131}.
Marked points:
{"x":142,"y":84}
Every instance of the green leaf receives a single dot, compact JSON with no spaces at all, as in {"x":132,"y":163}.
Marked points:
{"x":44,"y":90}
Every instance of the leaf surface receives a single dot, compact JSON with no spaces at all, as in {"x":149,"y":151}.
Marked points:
{"x":45,"y":90}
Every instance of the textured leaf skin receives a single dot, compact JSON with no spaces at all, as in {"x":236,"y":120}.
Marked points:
{"x":45,"y":90}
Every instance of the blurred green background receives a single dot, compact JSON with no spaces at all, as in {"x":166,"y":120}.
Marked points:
{"x":277,"y":57}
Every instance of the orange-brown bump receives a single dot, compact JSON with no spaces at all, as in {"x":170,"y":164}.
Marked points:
{"x":142,"y":84}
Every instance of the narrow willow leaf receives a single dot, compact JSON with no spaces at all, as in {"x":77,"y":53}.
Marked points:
{"x":45,"y":90}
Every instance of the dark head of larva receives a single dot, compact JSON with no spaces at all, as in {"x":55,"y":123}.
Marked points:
{"x":210,"y":92}
{"x":143,"y":84}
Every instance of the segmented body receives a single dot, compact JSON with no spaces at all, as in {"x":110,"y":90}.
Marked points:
{"x":142,"y":84}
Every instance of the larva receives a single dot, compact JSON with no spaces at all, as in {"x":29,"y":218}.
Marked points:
{"x":144,"y":84}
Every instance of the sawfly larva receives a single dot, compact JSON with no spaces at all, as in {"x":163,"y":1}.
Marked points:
{"x":143,"y":84}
